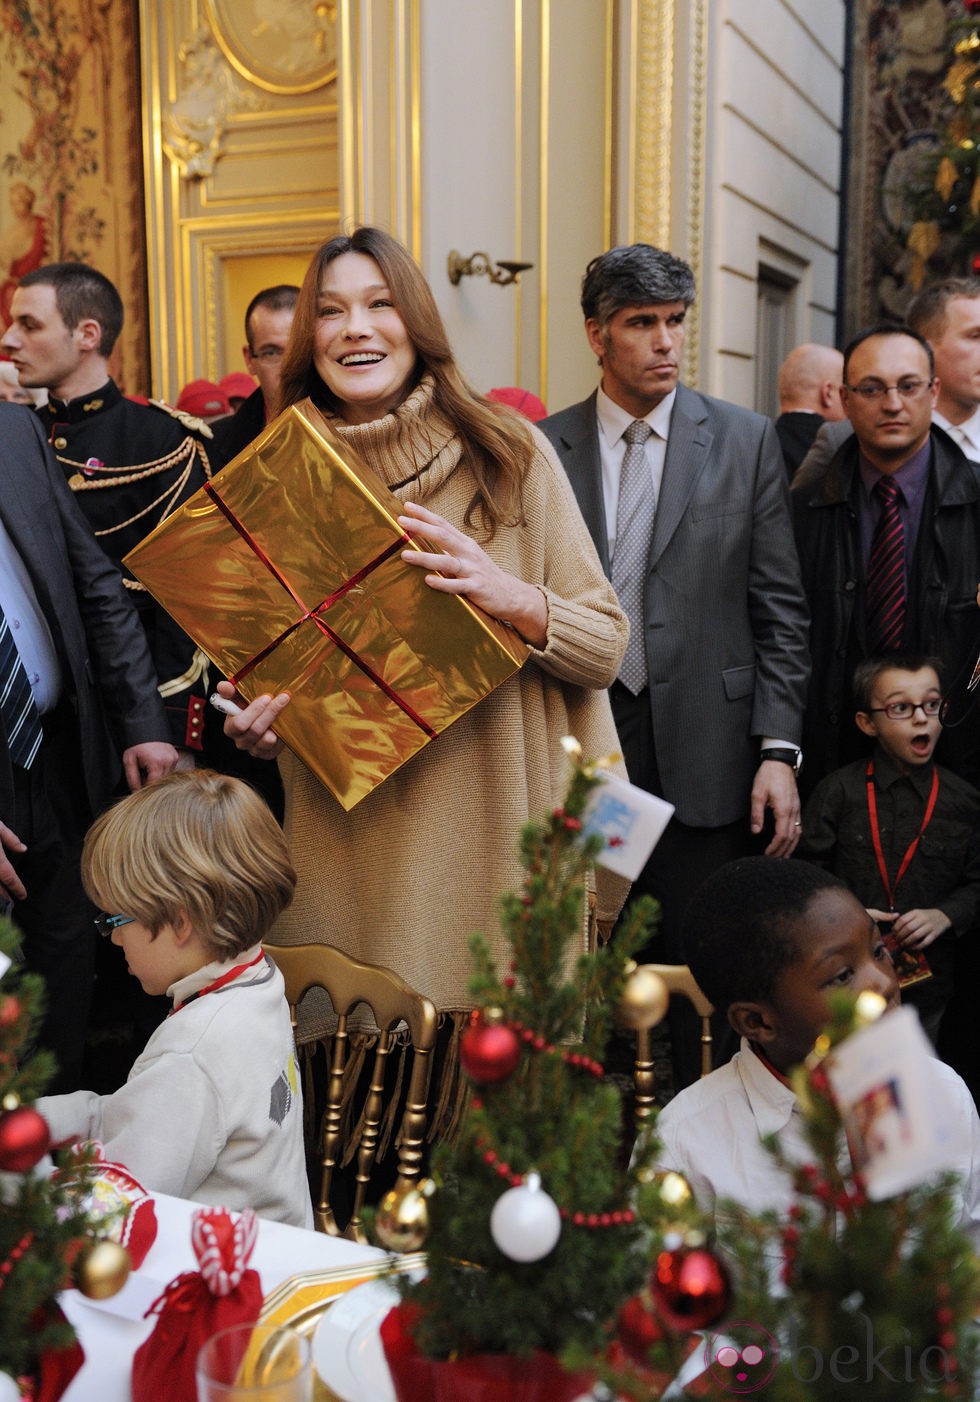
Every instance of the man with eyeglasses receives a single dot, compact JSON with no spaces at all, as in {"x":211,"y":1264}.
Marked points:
{"x":268,"y":320}
{"x":889,"y":541}
{"x":947,"y":314}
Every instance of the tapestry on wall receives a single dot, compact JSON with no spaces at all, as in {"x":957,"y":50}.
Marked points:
{"x":71,"y":154}
{"x":905,"y":227}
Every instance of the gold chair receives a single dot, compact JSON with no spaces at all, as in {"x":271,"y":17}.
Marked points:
{"x":679,"y":980}
{"x":348,"y":982}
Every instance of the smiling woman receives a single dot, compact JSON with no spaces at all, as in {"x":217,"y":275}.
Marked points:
{"x":407,"y":875}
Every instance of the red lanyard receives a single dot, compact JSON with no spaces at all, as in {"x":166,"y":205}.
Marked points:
{"x":219,"y":982}
{"x":876,"y":834}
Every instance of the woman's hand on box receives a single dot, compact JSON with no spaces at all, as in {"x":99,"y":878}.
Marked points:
{"x":250,"y":728}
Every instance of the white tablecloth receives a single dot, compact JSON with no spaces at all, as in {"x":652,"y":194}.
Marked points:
{"x":112,"y":1330}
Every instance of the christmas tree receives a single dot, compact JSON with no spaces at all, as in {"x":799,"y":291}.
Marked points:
{"x":43,"y":1221}
{"x":540,"y":1245}
{"x":532,"y":1196}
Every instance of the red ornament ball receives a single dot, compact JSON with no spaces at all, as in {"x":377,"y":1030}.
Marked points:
{"x":489,"y":1052}
{"x":24,"y":1139}
{"x":10,"y":1011}
{"x":691,"y":1288}
{"x":972,"y":7}
{"x":638,"y":1329}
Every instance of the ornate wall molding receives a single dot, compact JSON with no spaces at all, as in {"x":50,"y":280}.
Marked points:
{"x":194,"y":123}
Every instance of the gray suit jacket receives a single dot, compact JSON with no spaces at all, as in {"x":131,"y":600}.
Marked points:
{"x":108,"y":677}
{"x":725,"y":613}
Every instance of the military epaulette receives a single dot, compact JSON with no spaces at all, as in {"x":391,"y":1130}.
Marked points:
{"x":190,"y":422}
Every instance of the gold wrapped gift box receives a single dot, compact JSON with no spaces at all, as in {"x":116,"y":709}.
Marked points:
{"x":286,"y":570}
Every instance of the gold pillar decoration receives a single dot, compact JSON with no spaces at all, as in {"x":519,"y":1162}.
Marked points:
{"x":667,"y":136}
{"x":380,"y":116}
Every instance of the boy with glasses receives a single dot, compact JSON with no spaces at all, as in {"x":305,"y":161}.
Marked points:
{"x":901,"y":831}
{"x":192,"y":875}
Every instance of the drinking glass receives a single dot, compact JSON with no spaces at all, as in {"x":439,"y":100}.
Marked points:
{"x":255,"y":1363}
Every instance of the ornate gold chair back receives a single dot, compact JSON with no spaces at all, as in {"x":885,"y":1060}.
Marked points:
{"x":349,"y":982}
{"x":679,"y":980}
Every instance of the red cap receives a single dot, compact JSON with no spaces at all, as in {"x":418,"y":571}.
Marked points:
{"x":522,"y":400}
{"x":237,"y":385}
{"x":204,"y":399}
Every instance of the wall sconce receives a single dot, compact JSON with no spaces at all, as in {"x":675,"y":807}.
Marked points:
{"x":479,"y":265}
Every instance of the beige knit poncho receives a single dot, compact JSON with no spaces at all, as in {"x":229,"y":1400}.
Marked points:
{"x":419,"y":864}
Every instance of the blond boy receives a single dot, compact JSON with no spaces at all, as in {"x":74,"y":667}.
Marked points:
{"x":190,"y":873}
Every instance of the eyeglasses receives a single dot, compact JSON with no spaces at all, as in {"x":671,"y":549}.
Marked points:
{"x":905,"y":710}
{"x":105,"y":924}
{"x":906,"y":389}
{"x":270,"y":354}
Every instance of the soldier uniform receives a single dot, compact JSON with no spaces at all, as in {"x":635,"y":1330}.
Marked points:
{"x":130,"y":465}
{"x":96,"y":439}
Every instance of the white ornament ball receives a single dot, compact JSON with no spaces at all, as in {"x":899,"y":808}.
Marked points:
{"x":9,"y":1391}
{"x":525,"y":1222}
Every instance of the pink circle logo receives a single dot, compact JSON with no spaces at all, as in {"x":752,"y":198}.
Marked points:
{"x":742,"y":1359}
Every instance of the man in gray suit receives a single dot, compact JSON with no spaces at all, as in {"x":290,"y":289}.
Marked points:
{"x":710,"y":701}
{"x":93,"y":697}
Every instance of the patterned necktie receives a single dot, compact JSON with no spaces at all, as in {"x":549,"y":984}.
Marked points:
{"x":18,"y":712}
{"x":885,"y":601}
{"x":634,"y":522}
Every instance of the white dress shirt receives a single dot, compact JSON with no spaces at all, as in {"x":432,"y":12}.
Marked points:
{"x":966,"y":434}
{"x":28,"y":627}
{"x":712,"y":1133}
{"x":613,"y":423}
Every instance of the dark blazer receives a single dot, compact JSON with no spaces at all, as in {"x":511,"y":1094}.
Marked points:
{"x":108,"y":677}
{"x":725,"y":612}
{"x":232,"y":436}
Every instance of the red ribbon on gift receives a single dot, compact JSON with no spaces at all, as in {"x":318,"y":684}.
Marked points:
{"x":315,"y":615}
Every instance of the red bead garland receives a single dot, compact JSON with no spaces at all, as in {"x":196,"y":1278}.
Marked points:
{"x":570,"y":1058}
{"x":591,"y":1220}
{"x":7,"y":1266}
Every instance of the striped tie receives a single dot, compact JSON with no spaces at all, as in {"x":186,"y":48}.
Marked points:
{"x":885,"y":606}
{"x":634,"y":522}
{"x":18,"y":712}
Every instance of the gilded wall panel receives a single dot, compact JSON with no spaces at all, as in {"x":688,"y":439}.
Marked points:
{"x":242,"y":166}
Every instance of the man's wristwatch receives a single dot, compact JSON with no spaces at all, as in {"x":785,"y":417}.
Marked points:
{"x":794,"y":758}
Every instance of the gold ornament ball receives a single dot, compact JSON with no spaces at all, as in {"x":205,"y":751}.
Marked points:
{"x":101,"y":1269}
{"x":675,"y":1190}
{"x":644,"y":1000}
{"x":402,"y":1221}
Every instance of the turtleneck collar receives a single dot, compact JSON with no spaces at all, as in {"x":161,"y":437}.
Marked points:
{"x":414,"y":449}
